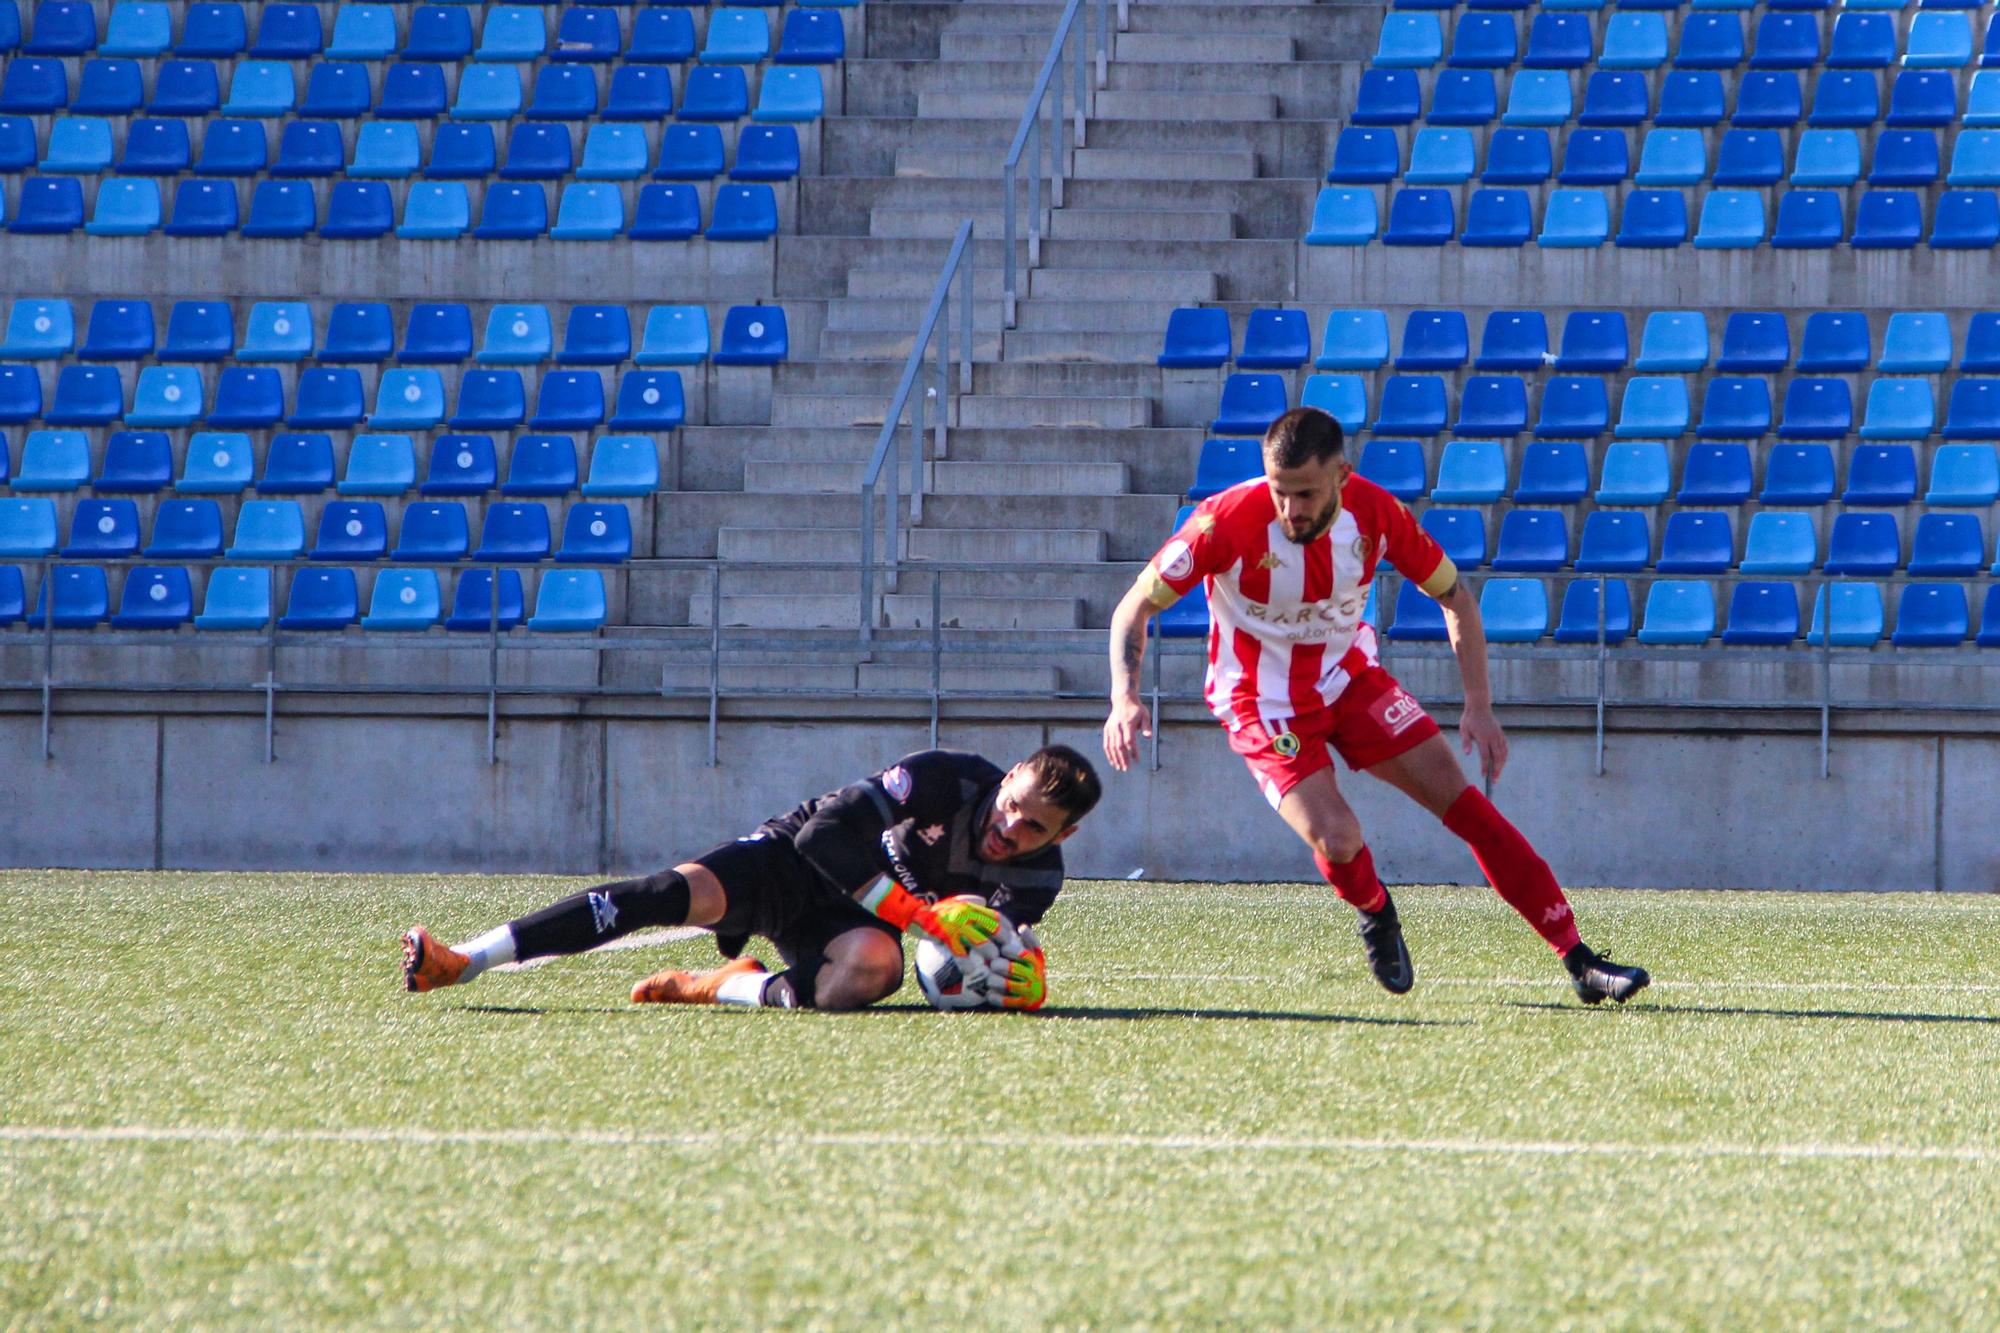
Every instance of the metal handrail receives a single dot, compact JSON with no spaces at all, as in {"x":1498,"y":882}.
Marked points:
{"x":1031,"y":139}
{"x":936,"y":320}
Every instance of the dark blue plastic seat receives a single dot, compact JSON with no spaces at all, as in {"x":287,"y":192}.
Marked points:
{"x":1579,"y":620}
{"x":62,"y":28}
{"x":514,"y":210}
{"x":715,"y":93}
{"x":1862,"y":41}
{"x":1710,"y":41}
{"x":1559,"y":41}
{"x":437,"y":333}
{"x":1615,"y":541}
{"x":1250,"y":403}
{"x":689,"y":153}
{"x":1225,"y":463}
{"x":358,"y":210}
{"x":541,"y":465}
{"x":1887,"y":220}
{"x":1817,"y":408}
{"x":1574,"y":407}
{"x":411,"y":90}
{"x":1697,"y":541}
{"x":650,"y":400}
{"x":639,"y":92}
{"x":1594,"y":340}
{"x":1532,"y":540}
{"x":48,"y":205}
{"x":283,"y":209}
{"x":442,"y":33}
{"x":1947,"y":546}
{"x":1493,"y":406}
{"x":186,"y":530}
{"x":513,"y":533}
{"x":1735,"y":407}
{"x":1497,"y":218}
{"x":587,"y":33}
{"x":434,"y":530}
{"x":1433,"y":340}
{"x":537,"y":152}
{"x":1808,"y":220}
{"x":1596,"y":157}
{"x":108,"y":88}
{"x":473,"y":608}
{"x":327,"y":398}
{"x":135,"y":462}
{"x":1513,"y":340}
{"x":596,"y":335}
{"x":351,"y":530}
{"x":1881,"y":474}
{"x":1974,"y":411}
{"x":34,"y":87}
{"x":1786,"y":41}
{"x":1754,"y":342}
{"x":1653,"y":219}
{"x":359,"y":332}
{"x":1197,"y":338}
{"x":185,"y":88}
{"x":1797,"y":474}
{"x":297,"y":463}
{"x":569,"y":400}
{"x":461,"y":465}
{"x":754,"y":335}
{"x":288,"y":32}
{"x":1749,"y":158}
{"x":1614,"y":98}
{"x":1411,"y":405}
{"x":765,"y":153}
{"x":1552,"y":472}
{"x":1931,"y":615}
{"x":1922,"y":98}
{"x":1768,"y":99}
{"x":490,"y":400}
{"x":1690,"y":99}
{"x":213,"y":30}
{"x":1463,"y":97}
{"x":1762,"y":612}
{"x":665,"y":213}
{"x":1420,"y":217}
{"x":103,"y":530}
{"x":86,"y":396}
{"x":662,"y":35}
{"x":461,"y":151}
{"x":1966,"y":220}
{"x":568,"y":92}
{"x":596,"y":534}
{"x":1835,"y":341}
{"x":321,"y":599}
{"x":1517,"y":156}
{"x":81,"y":598}
{"x":1386,"y":97}
{"x":337,"y":90}
{"x":1364,"y":156}
{"x":1461,"y":532}
{"x":1397,"y":466}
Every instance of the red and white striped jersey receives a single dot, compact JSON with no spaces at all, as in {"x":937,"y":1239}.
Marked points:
{"x":1285,"y":630}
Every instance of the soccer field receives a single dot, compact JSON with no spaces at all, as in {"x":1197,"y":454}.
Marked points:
{"x":219,"y":1108}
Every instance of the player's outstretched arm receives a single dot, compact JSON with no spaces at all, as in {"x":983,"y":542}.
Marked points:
{"x":1130,"y":718}
{"x":1477,"y":727}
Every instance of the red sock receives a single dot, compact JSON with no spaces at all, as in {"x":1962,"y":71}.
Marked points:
{"x":1355,"y":881}
{"x":1512,"y":866}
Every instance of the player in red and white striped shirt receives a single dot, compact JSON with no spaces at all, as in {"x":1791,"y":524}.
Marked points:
{"x":1292,"y":673}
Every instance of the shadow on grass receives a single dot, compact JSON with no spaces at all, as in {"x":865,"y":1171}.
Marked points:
{"x":1080,"y":1012}
{"x":1732,"y":1011}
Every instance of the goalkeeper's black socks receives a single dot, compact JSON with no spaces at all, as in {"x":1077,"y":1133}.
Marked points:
{"x":601,"y":915}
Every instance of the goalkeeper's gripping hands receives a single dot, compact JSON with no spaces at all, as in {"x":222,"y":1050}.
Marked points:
{"x":1026,"y":976}
{"x":958,"y":924}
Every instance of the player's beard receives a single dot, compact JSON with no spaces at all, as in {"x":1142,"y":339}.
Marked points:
{"x":1320,"y":524}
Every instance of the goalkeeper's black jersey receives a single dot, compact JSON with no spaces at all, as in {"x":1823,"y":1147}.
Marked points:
{"x":920,"y":820}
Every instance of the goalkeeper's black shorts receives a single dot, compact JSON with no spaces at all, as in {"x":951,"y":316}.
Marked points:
{"x":772,"y":892}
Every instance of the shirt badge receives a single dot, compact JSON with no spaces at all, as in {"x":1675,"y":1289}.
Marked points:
{"x":1269,"y":560}
{"x":897,"y":783}
{"x":931,"y":835}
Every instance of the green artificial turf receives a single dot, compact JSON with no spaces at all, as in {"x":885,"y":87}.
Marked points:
{"x":217,"y":1108}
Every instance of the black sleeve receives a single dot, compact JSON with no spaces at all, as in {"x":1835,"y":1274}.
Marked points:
{"x":1030,"y":889}
{"x":843,"y":839}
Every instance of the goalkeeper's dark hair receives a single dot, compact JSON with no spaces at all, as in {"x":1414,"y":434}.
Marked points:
{"x":1303,"y":435}
{"x":1065,"y":778}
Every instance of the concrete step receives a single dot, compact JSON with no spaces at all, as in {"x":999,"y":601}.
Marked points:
{"x":961,"y":678}
{"x":902,"y":222}
{"x":1096,"y":348}
{"x":901,"y":314}
{"x":1211,"y":48}
{"x":1066,"y":413}
{"x":1129,"y":164}
{"x":1008,"y":546}
{"x":1088,"y":224}
{"x":1114,"y":104}
{"x":906,"y":674}
{"x":875,"y":344}
{"x":958,"y":162}
{"x":913,"y":611}
{"x":949,"y":100}
{"x":876,"y":284}
{"x":818,"y":410}
{"x":1044,"y":314}
{"x":983,"y":44}
{"x":788,"y":476}
{"x":1182,"y":287}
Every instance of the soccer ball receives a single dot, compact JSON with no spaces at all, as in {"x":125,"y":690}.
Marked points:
{"x":951,"y":982}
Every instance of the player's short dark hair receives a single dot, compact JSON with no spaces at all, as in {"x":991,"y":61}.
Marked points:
{"x":1303,"y":435}
{"x":1065,"y":778}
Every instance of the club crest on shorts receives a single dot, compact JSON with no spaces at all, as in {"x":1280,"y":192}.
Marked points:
{"x":1285,"y":744}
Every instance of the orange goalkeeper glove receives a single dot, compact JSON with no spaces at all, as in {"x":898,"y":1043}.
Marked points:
{"x":958,"y":923}
{"x":1025,"y":974}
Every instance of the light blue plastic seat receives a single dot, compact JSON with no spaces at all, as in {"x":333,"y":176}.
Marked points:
{"x":1575,"y":219}
{"x":386,"y":150}
{"x":1678,"y":611}
{"x":39,"y":329}
{"x":277,"y":331}
{"x":1654,"y":407}
{"x":513,"y":34}
{"x":268,"y":530}
{"x":623,"y":465}
{"x":487,"y":92}
{"x":1975,"y":158}
{"x":217,"y":463}
{"x":166,"y":395}
{"x":1634,"y":41}
{"x":1780,"y":543}
{"x":1634,"y":473}
{"x":613,"y":152}
{"x":1731,"y":220}
{"x":1916,"y":343}
{"x":1440,"y":155}
{"x":1857,"y":615}
{"x":433,"y":530}
{"x":53,"y":460}
{"x":569,"y":601}
{"x":1471,"y":472}
{"x":1353,"y":340}
{"x":186,"y":530}
{"x":27,"y":526}
{"x":126,"y":206}
{"x":675,"y":335}
{"x":736,"y":36}
{"x":1668,"y":157}
{"x":1982,"y":99}
{"x":789,"y":94}
{"x":1514,"y":610}
{"x":380,"y":465}
{"x":78,"y":146}
{"x":408,"y":400}
{"x":261,"y":89}
{"x":1964,"y":474}
{"x":1673,"y":340}
{"x":404,"y":601}
{"x":517,"y":335}
{"x":1938,"y":41}
{"x":590,"y":211}
{"x":435,"y":211}
{"x":1899,"y":409}
{"x":650,"y":400}
{"x":237,"y":599}
{"x":137,"y":28}
{"x":1343,"y":216}
{"x":364,"y":32}
{"x":1409,"y":41}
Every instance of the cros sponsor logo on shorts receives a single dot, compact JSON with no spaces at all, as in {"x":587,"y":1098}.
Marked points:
{"x":1177,"y":561}
{"x":897,"y":783}
{"x":1401,"y":711}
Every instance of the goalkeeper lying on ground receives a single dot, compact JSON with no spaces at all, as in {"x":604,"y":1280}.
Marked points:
{"x":833,"y":885}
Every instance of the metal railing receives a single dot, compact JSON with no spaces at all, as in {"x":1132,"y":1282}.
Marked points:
{"x":1044,"y":148}
{"x":886,"y":460}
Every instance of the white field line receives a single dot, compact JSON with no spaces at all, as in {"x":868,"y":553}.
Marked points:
{"x":1712,"y":984}
{"x":1468,"y":898}
{"x":1166,"y":1143}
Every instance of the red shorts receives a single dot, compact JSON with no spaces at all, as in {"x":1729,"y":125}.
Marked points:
{"x":1373,"y":720}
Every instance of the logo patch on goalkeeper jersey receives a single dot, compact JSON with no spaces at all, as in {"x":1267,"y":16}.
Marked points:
{"x":1285,"y":745}
{"x":603,"y":912}
{"x":1177,"y":560}
{"x":897,"y":783}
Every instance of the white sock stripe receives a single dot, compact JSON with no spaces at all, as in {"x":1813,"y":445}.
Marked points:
{"x":644,"y":939}
{"x":1168,"y":1143}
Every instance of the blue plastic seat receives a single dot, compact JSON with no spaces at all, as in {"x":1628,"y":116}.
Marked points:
{"x":198,"y":331}
{"x":461,"y":465}
{"x":1386,"y":97}
{"x":136,"y":462}
{"x":1492,"y":405}
{"x":514,"y":210}
{"x":321,"y":599}
{"x":86,"y":396}
{"x":1862,"y":41}
{"x":1989,"y":618}
{"x":1817,"y":408}
{"x":217,"y":463}
{"x":39,"y":329}
{"x":1352,"y":340}
{"x":1397,"y":466}
{"x":297,"y":463}
{"x":1982,"y":344}
{"x":310,"y":148}
{"x":679,"y":337}
{"x":1938,"y":41}
{"x":537,"y":152}
{"x":1343,"y":217}
{"x":358,"y":210}
{"x":53,"y":460}
{"x":514,"y":532}
{"x":1845,"y":99}
{"x":1593,"y":340}
{"x":1497,"y":218}
{"x":368,"y":31}
{"x":1463,"y":97}
{"x":1673,"y":340}
{"x":1974,"y":410}
{"x":1614,"y":541}
{"x":473,"y":607}
{"x":1975,"y":158}
{"x":1342,"y":397}
{"x":513,"y":34}
{"x":34,"y":87}
{"x":1514,"y":610}
{"x":1916,"y":343}
{"x":379,"y":465}
{"x":408,"y":400}
{"x":261,"y":88}
{"x":490,"y":400}
{"x":277,"y":331}
{"x":487,"y":92}
{"x":1667,"y":157}
{"x":1749,"y":158}
{"x":461,"y":152}
{"x":1653,"y":219}
{"x":1690,"y":98}
{"x":664,"y":35}
{"x":1678,"y":611}
{"x":20,"y":395}
{"x":1197,"y":338}
{"x":1538,"y":97}
{"x":757,"y":335}
{"x":623,"y":465}
{"x":108,"y":87}
{"x":569,"y":601}
{"x":1411,"y":405}
{"x":569,"y":400}
{"x":213,"y":30}
{"x":1947,"y":546}
{"x":739,"y":36}
{"x":337,"y":90}
{"x":1513,"y":340}
{"x":1559,"y":41}
{"x":434,"y":530}
{"x":155,"y":598}
{"x":156,"y":148}
{"x":1654,"y":407}
{"x":1634,"y":40}
{"x":237,"y":599}
{"x":436,"y":334}
{"x":541,"y":465}
{"x":1697,"y":542}
{"x":1905,"y":157}
{"x":1710,"y":41}
{"x":1887,"y":220}
{"x":1580,"y":615}
{"x":435,"y":210}
{"x":517,"y":335}
{"x":596,"y":534}
{"x":1250,"y":403}
{"x":1769,"y":99}
{"x":1364,"y":156}
{"x":1966,"y":220}
{"x":1786,"y":41}
{"x":1919,"y":98}
{"x":1634,"y":473}
{"x":1762,"y":613}
{"x":1982,"y":99}
{"x":1780,"y":544}
{"x":386,"y":150}
{"x":587,"y":33}
{"x":81,"y":599}
{"x":1931,"y":615}
{"x":1857,"y":615}
{"x":639,"y":92}
{"x":1731,"y":220}
{"x":1574,"y":407}
{"x":62,"y":28}
{"x":1735,"y":407}
{"x":745,"y":213}
{"x":203,"y":208}
{"x":166,"y":396}
{"x":48,"y":205}
{"x":103,"y":530}
{"x":1532,"y":540}
{"x":1964,"y":474}
{"x":1225,"y":463}
{"x":716,"y":92}
{"x":442,"y":33}
{"x":1808,"y":220}
{"x":404,"y":601}
{"x":811,"y":37}
{"x":282,"y":210}
{"x":1460,"y":532}
{"x":1899,"y":409}
{"x":1515,"y":156}
{"x":411,"y":90}
{"x":689,"y":153}
{"x":650,"y":400}
{"x":613,"y":152}
{"x":1434,"y":340}
{"x":351,"y":530}
{"x":589,"y":211}
{"x":789,"y":93}
{"x":233,"y":148}
{"x":665,"y":213}
{"x":1420,"y":217}
{"x":1754,"y":342}
{"x":1835,"y":341}
{"x":1881,"y":474}
{"x":1613,"y":98}
{"x":78,"y":146}
{"x":186,"y":530}
{"x":1409,"y":41}
{"x":268,"y":530}
{"x":1798,"y":474}
{"x":135,"y":28}
{"x":1552,"y":472}
{"x":1439,"y":155}
{"x":27,"y":527}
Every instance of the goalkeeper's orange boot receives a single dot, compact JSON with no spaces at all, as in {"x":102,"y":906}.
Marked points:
{"x":676,"y":987}
{"x":427,"y":964}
